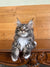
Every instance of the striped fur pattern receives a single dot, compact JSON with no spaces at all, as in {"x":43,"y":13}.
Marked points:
{"x":23,"y":40}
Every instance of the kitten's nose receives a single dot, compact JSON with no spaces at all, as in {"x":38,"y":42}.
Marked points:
{"x":23,"y":31}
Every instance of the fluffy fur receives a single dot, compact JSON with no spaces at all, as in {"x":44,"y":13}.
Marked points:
{"x":23,"y":40}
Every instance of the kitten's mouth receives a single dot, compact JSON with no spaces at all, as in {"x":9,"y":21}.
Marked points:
{"x":24,"y":35}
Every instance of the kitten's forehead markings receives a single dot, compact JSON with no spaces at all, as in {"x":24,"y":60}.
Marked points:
{"x":24,"y":27}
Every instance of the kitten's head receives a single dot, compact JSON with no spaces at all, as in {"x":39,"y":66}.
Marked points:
{"x":23,"y":30}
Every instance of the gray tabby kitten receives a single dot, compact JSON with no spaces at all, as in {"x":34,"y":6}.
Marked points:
{"x":23,"y":40}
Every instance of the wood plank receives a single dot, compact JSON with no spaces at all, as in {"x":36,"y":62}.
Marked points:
{"x":7,"y":34}
{"x":39,"y":13}
{"x":8,"y":26}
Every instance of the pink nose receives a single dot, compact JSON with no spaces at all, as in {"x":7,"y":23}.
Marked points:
{"x":23,"y":31}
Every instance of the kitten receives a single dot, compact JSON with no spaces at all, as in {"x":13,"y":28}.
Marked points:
{"x":23,"y":40}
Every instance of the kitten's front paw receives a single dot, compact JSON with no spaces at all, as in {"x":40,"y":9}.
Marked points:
{"x":14,"y":59}
{"x":26,"y":57}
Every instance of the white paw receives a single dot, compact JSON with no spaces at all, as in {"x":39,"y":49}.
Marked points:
{"x":17,"y":52}
{"x":13,"y":59}
{"x":26,"y":57}
{"x":35,"y":43}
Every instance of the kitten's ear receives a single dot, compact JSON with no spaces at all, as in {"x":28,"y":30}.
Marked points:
{"x":18,"y":22}
{"x":30,"y":24}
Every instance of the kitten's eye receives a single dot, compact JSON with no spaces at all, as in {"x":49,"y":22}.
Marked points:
{"x":17,"y":29}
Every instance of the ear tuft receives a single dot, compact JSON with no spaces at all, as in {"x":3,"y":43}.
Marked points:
{"x":18,"y":22}
{"x":30,"y":24}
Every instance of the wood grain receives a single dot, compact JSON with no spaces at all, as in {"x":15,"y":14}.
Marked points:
{"x":39,"y":13}
{"x":5,"y":58}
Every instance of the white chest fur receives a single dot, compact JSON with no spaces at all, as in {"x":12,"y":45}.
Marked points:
{"x":23,"y":42}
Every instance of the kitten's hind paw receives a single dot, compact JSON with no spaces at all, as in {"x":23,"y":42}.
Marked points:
{"x":14,"y":59}
{"x":26,"y":57}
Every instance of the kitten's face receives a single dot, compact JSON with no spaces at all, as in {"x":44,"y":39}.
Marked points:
{"x":23,"y":30}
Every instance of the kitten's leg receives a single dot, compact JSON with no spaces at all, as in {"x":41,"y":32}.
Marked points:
{"x":26,"y":53}
{"x":15,"y":51}
{"x":15,"y":54}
